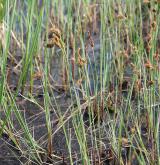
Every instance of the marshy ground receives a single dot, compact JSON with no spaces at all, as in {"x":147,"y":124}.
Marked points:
{"x":80,"y":83}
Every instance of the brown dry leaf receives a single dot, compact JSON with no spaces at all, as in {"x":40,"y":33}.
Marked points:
{"x":150,"y":83}
{"x":120,"y":16}
{"x":154,"y":25}
{"x":38,"y":75}
{"x":54,"y":41}
{"x":148,"y":65}
{"x":138,"y":85}
{"x":54,"y":38}
{"x":125,"y":142}
{"x":81,"y":61}
{"x":54,"y":31}
{"x":146,"y":1}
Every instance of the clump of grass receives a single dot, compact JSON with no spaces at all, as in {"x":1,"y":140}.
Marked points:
{"x":112,"y":96}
